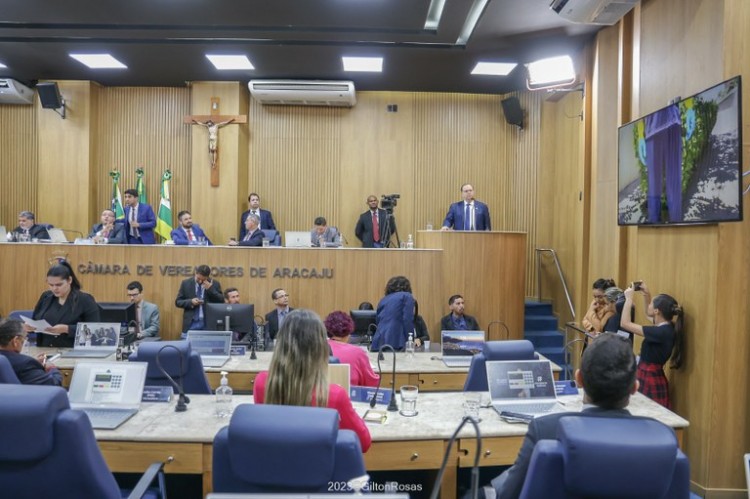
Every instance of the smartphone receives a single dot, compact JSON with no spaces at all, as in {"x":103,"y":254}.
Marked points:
{"x":637,"y":285}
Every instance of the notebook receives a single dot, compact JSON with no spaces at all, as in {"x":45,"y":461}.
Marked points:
{"x":108,"y":392}
{"x":57,"y":235}
{"x":95,"y":340}
{"x":213,"y":346}
{"x":521,"y":386}
{"x":338,"y":374}
{"x":459,"y":347}
{"x":297,"y":239}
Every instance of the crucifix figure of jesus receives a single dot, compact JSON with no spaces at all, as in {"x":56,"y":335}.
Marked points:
{"x":213,"y":137}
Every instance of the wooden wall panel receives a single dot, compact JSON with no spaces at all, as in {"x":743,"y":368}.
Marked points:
{"x":19,"y":163}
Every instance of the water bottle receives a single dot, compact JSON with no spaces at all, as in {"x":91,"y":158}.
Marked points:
{"x":409,"y":347}
{"x":224,"y":397}
{"x":410,"y":242}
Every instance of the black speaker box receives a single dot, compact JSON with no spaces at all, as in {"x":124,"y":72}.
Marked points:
{"x":513,"y":112}
{"x":49,"y":95}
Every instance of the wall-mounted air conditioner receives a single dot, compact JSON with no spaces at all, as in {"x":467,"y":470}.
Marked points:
{"x":15,"y":92}
{"x":303,"y":92}
{"x":606,"y":12}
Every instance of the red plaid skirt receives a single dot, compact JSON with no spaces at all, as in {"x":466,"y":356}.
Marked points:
{"x":653,"y":383}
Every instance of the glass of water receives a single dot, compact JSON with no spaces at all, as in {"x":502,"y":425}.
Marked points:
{"x":409,"y":395}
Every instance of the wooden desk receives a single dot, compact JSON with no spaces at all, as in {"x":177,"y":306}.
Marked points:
{"x":184,"y":440}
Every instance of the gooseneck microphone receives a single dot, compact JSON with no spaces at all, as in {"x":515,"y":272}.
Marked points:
{"x":474,"y":469}
{"x":507,"y":331}
{"x":183,"y":399}
{"x":392,"y":405}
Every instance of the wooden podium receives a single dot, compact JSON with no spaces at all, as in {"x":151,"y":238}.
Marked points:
{"x":490,"y":274}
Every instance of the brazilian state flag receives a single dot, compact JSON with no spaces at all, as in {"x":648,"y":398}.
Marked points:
{"x":164,"y":218}
{"x":116,"y":195}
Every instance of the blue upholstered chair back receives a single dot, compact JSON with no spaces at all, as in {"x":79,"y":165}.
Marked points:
{"x":7,"y":374}
{"x":608,"y":458}
{"x":193,"y":377}
{"x":47,"y":449}
{"x":476,"y":380}
{"x":274,"y":448}
{"x":273,"y":236}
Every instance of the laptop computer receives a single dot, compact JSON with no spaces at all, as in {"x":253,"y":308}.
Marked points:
{"x":297,"y":239}
{"x":95,"y":340}
{"x":108,"y":392}
{"x":213,"y":346}
{"x":57,"y":235}
{"x":521,"y":386}
{"x":459,"y":347}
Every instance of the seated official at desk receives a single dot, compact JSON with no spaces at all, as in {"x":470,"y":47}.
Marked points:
{"x":188,"y":233}
{"x":322,"y":235}
{"x":457,"y":320}
{"x":275,"y":318}
{"x":298,"y":374}
{"x":339,"y":327}
{"x":28,"y":229}
{"x":146,"y":313}
{"x":63,"y":306}
{"x":607,"y":376}
{"x":253,"y":235}
{"x":30,"y":371}
{"x":108,"y":232}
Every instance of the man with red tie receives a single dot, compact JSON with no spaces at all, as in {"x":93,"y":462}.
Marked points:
{"x":371,"y":224}
{"x":189,"y":233}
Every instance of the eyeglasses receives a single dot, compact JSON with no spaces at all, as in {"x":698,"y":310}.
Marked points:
{"x":23,"y":336}
{"x":133,"y":295}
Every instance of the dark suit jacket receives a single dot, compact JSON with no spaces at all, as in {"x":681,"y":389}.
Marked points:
{"x":455,"y":216}
{"x":446,"y":324}
{"x":266,"y":221}
{"x":36,"y":231}
{"x":363,"y":229}
{"x":255,"y":240}
{"x":30,"y":372}
{"x":79,"y":307}
{"x":179,"y":236}
{"x":509,"y":484}
{"x":147,"y":221}
{"x":272,"y":322}
{"x":185,"y":297}
{"x":116,"y":235}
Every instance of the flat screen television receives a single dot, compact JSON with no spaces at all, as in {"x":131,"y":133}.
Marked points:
{"x":364,"y":322}
{"x":122,"y":312}
{"x":682,"y":164}
{"x":241,"y":317}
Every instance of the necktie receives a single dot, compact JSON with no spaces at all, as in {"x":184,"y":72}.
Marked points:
{"x":471,"y":217}
{"x":247,"y":236}
{"x":105,"y":233}
{"x":282,"y":316}
{"x":466,"y":216}
{"x":133,"y":218}
{"x":199,"y":294}
{"x":190,"y":235}
{"x":375,"y":227}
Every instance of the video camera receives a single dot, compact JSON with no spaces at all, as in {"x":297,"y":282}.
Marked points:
{"x":389,"y":201}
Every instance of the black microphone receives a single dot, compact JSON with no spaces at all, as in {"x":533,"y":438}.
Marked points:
{"x":183,"y":399}
{"x":567,"y":353}
{"x":474,"y":469}
{"x":392,"y":405}
{"x":77,"y":232}
{"x":507,"y":331}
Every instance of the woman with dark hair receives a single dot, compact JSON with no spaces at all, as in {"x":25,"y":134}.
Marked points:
{"x":421,"y":334}
{"x":64,"y":305}
{"x":615,"y":300}
{"x":661,"y":341}
{"x":298,"y":374}
{"x":598,"y":313}
{"x":395,"y":315}
{"x":339,"y":327}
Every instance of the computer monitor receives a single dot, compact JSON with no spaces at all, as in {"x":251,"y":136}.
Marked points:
{"x":364,"y":322}
{"x":122,"y":312}
{"x":241,"y":317}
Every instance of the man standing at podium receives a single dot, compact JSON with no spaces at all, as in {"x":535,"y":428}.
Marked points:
{"x":468,"y":214}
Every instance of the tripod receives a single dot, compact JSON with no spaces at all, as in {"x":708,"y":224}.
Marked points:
{"x":389,"y":229}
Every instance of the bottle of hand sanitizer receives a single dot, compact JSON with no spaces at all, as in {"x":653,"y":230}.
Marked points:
{"x":410,"y":242}
{"x":409,"y":347}
{"x":224,"y":397}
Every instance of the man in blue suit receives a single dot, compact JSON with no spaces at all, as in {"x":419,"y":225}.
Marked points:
{"x":139,"y":220}
{"x":468,"y":214}
{"x":253,"y":235}
{"x":188,"y":233}
{"x":29,"y":371}
{"x":108,"y":232}
{"x":265,"y":216}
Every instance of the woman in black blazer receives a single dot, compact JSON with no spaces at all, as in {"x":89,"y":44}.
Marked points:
{"x":64,"y":305}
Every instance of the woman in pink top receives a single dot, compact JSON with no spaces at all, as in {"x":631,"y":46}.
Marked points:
{"x":340,"y":326}
{"x":298,"y":374}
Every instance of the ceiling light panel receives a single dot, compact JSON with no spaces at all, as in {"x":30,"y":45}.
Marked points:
{"x":363,"y":64}
{"x":98,"y":61}
{"x":230,"y":62}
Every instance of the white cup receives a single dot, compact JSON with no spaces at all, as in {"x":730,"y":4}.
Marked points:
{"x":426,"y":344}
{"x":409,"y":395}
{"x":429,"y":226}
{"x":266,"y":242}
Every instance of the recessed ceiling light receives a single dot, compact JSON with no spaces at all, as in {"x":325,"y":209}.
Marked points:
{"x":230,"y":61}
{"x":3,"y":65}
{"x":371,"y":64}
{"x":552,"y":71}
{"x":98,"y":61}
{"x":494,"y":68}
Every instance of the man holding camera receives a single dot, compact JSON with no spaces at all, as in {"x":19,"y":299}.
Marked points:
{"x":372,"y":225}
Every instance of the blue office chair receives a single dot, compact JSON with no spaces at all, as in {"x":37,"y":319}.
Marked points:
{"x":608,"y":458}
{"x":275,"y":448}
{"x":273,"y":236}
{"x":476,"y":380}
{"x":49,"y":450}
{"x":7,"y":374}
{"x":192,"y":375}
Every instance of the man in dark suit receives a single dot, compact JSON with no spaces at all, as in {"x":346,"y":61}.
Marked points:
{"x":265,"y":216}
{"x":188,"y":232}
{"x":193,"y":293}
{"x":371,"y":227}
{"x":275,"y":318}
{"x":253,"y":235}
{"x":468,"y":214}
{"x":29,"y":371}
{"x":28,"y":229}
{"x":108,"y":232}
{"x":139,"y":220}
{"x":607,"y":376}
{"x":457,"y":320}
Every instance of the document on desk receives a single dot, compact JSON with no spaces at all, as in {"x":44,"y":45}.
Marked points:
{"x":39,"y":326}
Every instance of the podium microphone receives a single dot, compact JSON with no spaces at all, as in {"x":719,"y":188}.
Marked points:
{"x":183,"y":399}
{"x":474,"y":469}
{"x":392,"y":405}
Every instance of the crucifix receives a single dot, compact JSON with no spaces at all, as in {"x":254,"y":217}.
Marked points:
{"x":213,"y":122}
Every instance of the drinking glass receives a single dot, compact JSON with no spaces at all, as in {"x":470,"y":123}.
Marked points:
{"x":409,"y":395}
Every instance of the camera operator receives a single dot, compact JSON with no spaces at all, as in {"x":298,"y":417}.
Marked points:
{"x":373,"y":227}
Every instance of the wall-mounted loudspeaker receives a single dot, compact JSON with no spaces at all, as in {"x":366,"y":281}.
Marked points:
{"x":49,"y":95}
{"x":513,"y":112}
